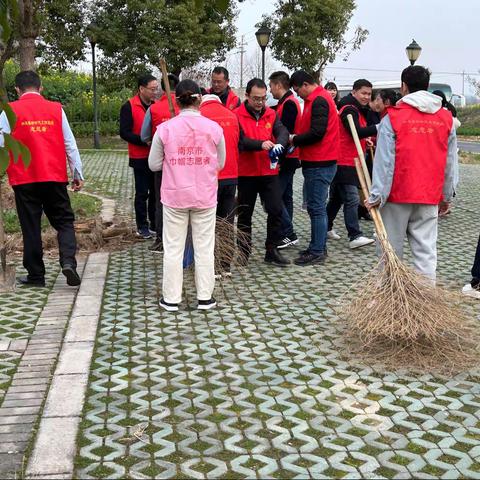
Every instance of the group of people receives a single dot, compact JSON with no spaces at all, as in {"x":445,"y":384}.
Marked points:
{"x":202,"y":154}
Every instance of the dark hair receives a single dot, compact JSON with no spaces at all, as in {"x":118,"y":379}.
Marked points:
{"x":331,"y":86}
{"x":281,"y":78}
{"x":144,"y":80}
{"x":203,"y":91}
{"x":300,"y":77}
{"x":360,"y":83}
{"x":27,"y":79}
{"x":255,"y":82}
{"x":387,"y":94}
{"x":219,"y":71}
{"x":172,"y":82}
{"x":416,"y":78}
{"x":445,"y":103}
{"x":187,"y":93}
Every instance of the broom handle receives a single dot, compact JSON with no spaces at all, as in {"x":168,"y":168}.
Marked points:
{"x":166,"y":85}
{"x":363,"y":174}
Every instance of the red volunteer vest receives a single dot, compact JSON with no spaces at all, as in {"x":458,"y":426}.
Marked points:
{"x":160,"y":111}
{"x":217,"y":112}
{"x":348,"y":151}
{"x":232,"y":100}
{"x":279,"y":110}
{"x":39,"y":127}
{"x":327,"y":148}
{"x":256,"y":164}
{"x":420,"y":154}
{"x":138,"y":114}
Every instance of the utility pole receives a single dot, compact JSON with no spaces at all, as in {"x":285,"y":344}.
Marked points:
{"x":242,"y":52}
{"x":463,"y":83}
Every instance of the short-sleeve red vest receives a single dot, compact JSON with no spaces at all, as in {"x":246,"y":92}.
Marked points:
{"x":348,"y":151}
{"x":279,"y":110}
{"x":138,"y":114}
{"x":257,"y":163}
{"x":217,"y":112}
{"x":160,"y":111}
{"x":39,"y":127}
{"x":328,"y":147}
{"x":421,"y":146}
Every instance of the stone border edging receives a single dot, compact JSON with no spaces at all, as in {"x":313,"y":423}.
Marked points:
{"x":55,"y":446}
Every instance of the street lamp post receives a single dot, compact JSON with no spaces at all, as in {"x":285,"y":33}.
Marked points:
{"x":263,"y":36}
{"x":92,"y":31}
{"x":413,"y":52}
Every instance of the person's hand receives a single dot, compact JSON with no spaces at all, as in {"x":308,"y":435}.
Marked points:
{"x":369,"y":142}
{"x":267,"y":145}
{"x":443,"y":208}
{"x":369,"y":205}
{"x":77,"y":185}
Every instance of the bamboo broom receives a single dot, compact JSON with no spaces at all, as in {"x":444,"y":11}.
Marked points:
{"x":401,"y":319}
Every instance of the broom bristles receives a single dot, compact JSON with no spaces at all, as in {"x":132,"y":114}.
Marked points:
{"x":402,"y":319}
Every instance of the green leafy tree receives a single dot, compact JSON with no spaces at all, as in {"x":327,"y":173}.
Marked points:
{"x":134,"y":34}
{"x":310,"y":33}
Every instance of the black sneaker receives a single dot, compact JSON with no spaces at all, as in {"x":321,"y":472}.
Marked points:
{"x":169,"y":307}
{"x":287,"y":242}
{"x":144,"y":233}
{"x":157,"y":246}
{"x":309,"y":258}
{"x":73,"y":279}
{"x":274,"y":257}
{"x":207,"y":304}
{"x":31,"y":283}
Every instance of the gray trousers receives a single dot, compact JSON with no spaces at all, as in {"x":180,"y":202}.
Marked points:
{"x":418,"y":222}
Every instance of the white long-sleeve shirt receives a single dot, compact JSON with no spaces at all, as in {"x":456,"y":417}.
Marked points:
{"x":73,"y":155}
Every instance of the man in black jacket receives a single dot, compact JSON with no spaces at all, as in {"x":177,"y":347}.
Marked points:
{"x":344,"y":188}
{"x":132,"y":115}
{"x":289,"y":112}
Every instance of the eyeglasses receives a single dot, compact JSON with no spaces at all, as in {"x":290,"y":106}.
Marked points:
{"x":258,"y":99}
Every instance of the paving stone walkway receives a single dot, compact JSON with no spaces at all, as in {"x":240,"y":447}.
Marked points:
{"x":257,"y":388}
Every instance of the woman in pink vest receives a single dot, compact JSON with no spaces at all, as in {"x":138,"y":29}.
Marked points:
{"x":189,"y":149}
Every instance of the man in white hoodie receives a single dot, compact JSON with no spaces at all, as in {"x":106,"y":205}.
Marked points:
{"x":415,"y":169}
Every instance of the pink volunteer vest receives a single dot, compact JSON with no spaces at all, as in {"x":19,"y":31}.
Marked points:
{"x":190,"y":164}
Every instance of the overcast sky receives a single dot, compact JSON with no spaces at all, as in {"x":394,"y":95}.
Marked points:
{"x":448,"y":32}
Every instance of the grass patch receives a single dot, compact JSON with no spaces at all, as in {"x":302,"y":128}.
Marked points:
{"x":84,"y":206}
{"x":469,"y":158}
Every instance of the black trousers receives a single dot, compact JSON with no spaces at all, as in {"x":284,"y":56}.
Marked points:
{"x":51,"y":198}
{"x":226,"y":210}
{"x":158,"y":205}
{"x":268,"y":187}
{"x":476,"y":262}
{"x":144,"y":194}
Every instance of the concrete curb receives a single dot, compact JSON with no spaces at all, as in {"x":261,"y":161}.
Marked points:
{"x":55,"y":446}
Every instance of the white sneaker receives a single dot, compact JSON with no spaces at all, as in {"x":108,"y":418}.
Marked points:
{"x":361,"y":241}
{"x":469,"y":291}
{"x":333,"y":235}
{"x":169,"y":307}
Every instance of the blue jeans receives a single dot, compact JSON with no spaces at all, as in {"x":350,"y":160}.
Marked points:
{"x":346,"y":195}
{"x":317,"y":183}
{"x":286,"y":185}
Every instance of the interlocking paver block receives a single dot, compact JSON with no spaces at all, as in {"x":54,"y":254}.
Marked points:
{"x":259,"y":387}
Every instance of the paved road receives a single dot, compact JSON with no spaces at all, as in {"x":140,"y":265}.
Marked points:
{"x":473,"y":147}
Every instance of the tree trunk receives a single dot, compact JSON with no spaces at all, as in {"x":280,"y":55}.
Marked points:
{"x":29,"y":30}
{"x":27,"y":54}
